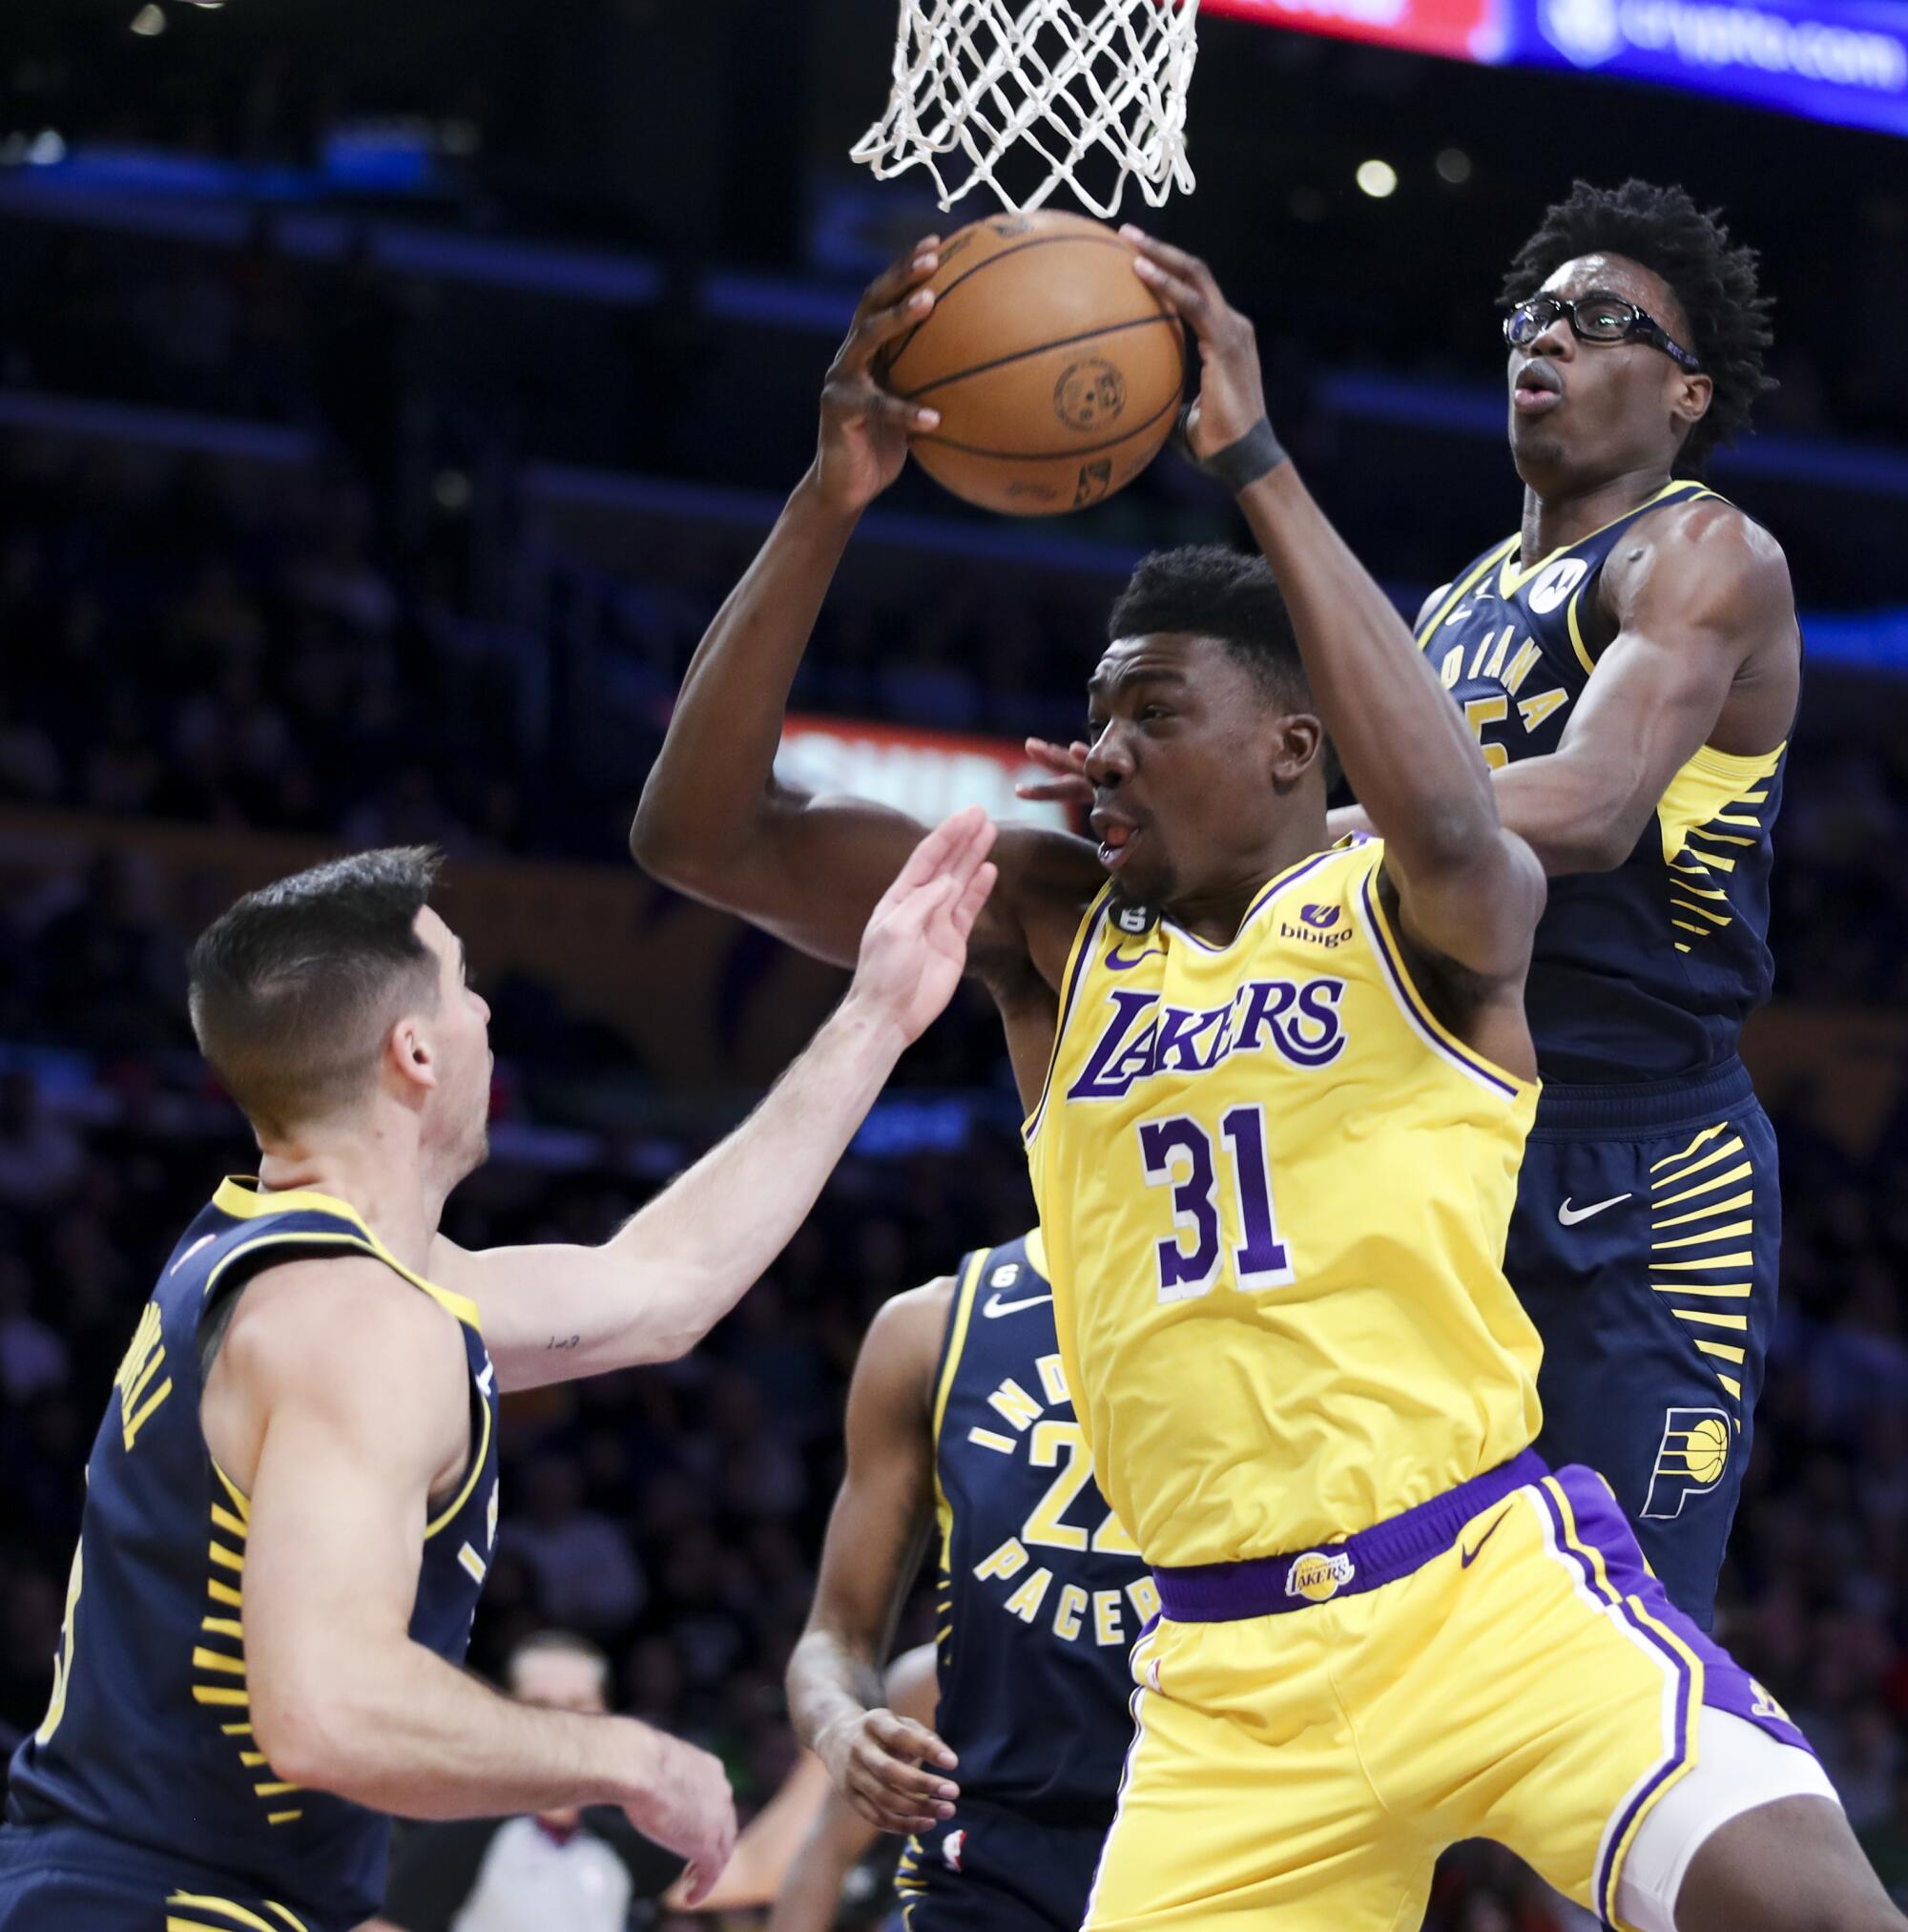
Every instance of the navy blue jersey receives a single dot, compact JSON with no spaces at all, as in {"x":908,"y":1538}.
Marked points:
{"x":148,"y":1738}
{"x":1647,"y":972}
{"x":1042,"y":1593}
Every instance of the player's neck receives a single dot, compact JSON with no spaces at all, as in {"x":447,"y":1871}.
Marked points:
{"x":383,"y":1176}
{"x":1216,"y":913}
{"x":1563,"y":512}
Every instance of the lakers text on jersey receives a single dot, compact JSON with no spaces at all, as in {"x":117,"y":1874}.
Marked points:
{"x":146,"y":1759}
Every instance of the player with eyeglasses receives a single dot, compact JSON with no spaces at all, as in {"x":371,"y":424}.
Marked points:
{"x":1630,"y":663}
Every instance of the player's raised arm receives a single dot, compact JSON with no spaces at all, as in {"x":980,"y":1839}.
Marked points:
{"x":715,"y":821}
{"x":1469,"y":891}
{"x":340,"y":1402}
{"x":892,"y":1769}
{"x":552,"y":1312}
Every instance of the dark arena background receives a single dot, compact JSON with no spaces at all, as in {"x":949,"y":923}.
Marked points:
{"x":389,"y":393}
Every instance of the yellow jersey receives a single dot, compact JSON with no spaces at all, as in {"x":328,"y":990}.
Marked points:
{"x":1274,"y":1193}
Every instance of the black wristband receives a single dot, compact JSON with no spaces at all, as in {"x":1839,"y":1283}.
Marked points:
{"x":1238,"y":465}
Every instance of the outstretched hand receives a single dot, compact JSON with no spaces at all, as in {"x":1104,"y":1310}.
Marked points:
{"x":864,"y":429}
{"x":1232,"y":391}
{"x":914,"y":948}
{"x":892,"y":1770}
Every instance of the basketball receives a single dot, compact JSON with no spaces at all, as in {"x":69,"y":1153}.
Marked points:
{"x":1057,"y":373}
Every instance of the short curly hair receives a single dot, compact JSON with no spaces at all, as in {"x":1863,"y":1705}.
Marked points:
{"x":1714,"y":281}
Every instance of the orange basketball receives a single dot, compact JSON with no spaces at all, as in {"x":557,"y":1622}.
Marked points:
{"x":1057,"y":373}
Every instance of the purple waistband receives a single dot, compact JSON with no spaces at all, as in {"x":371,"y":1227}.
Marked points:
{"x":1228,"y":1592}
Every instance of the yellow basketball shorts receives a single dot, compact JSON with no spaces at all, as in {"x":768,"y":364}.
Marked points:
{"x":1528,"y":1681}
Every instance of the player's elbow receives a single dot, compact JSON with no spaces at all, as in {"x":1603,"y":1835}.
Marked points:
{"x":305,"y":1732}
{"x":661,"y":841}
{"x":1446,"y":836}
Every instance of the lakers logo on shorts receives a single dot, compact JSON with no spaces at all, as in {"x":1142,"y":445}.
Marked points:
{"x":1691,"y":1459}
{"x":1317,"y":1577}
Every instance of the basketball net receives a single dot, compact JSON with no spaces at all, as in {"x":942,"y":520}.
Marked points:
{"x":1079,"y":81}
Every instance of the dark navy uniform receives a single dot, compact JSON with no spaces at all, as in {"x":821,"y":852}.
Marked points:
{"x":1041,"y":1597}
{"x":143,"y":1801}
{"x":1648,"y":1210}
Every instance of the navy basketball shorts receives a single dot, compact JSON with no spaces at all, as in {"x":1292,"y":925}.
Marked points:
{"x":1644,"y":1247}
{"x":64,"y":1879}
{"x":987,"y":1869}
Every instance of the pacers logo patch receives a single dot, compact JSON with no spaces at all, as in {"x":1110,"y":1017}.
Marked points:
{"x":1691,"y":1459}
{"x":1317,"y":1577}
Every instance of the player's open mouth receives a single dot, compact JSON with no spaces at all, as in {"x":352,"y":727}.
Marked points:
{"x":1538,"y":389}
{"x":1117,"y":843}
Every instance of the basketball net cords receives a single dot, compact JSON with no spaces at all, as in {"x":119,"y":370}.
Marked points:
{"x":970,"y":79}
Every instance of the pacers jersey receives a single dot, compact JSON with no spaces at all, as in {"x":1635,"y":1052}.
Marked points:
{"x":1042,"y":1592}
{"x":1275,"y":1192}
{"x":148,"y":1738}
{"x":1647,"y":972}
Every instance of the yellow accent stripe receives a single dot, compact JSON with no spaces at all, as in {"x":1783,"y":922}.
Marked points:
{"x":959,"y":1323}
{"x":139,"y":1419}
{"x":213,"y":1660}
{"x":1741,"y":817}
{"x":1745,"y":1199}
{"x":240,"y":1502}
{"x":291,"y":1919}
{"x":481,"y":1449}
{"x":1729,"y":1233}
{"x":1745,"y":1260}
{"x":1734,"y":1387}
{"x":1721,"y":1180}
{"x":1719,"y":837}
{"x":1723,"y":1351}
{"x":155,"y":1363}
{"x":227,"y":1559}
{"x":282,"y":1817}
{"x":251,"y":1759}
{"x":223,"y":1592}
{"x":1702,"y":911}
{"x":276,"y":1790}
{"x":1464,"y":586}
{"x":241,"y":1914}
{"x":1710,"y":1320}
{"x":1683,"y":925}
{"x":1710,"y":1159}
{"x":175,"y":1923}
{"x":1692,"y":1692}
{"x":236,"y":1730}
{"x":472,"y":1561}
{"x":224,"y":1627}
{"x":1703,"y":1139}
{"x":229,"y":1523}
{"x":1734,"y":1290}
{"x":215,"y":1693}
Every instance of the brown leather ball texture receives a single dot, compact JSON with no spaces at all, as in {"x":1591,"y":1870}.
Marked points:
{"x":1057,"y":373}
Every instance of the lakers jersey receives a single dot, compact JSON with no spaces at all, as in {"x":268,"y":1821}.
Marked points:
{"x":1042,"y":1592}
{"x":1647,"y":972}
{"x":148,"y":1738}
{"x":1275,"y":1192}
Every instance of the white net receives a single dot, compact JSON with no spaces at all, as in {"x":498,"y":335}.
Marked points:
{"x":1095,"y":88}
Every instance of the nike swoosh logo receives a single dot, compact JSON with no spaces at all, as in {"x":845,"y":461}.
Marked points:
{"x":993,"y":1307}
{"x":1570,"y":1216}
{"x":1126,"y":966}
{"x":1467,"y":1557}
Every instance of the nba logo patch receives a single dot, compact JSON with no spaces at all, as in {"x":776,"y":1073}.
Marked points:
{"x":1317,"y":1577}
{"x":1690,"y":1460}
{"x":951,"y":1848}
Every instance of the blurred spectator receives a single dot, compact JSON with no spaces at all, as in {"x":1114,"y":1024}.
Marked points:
{"x":584,"y":1871}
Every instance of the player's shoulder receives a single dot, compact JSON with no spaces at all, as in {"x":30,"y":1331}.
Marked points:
{"x":1702,"y":542}
{"x":297,"y":1319}
{"x":902,"y":1344}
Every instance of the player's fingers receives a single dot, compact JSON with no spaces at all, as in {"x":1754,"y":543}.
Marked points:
{"x":908,"y":1738}
{"x":881,"y":326}
{"x":1053,"y":791}
{"x":968,"y":908}
{"x":695,"y":1883}
{"x":966,"y":860}
{"x":1179,"y":262}
{"x":850,"y":395}
{"x":931,"y":856}
{"x":1183,"y":297}
{"x":902,"y":1778}
{"x":1070,"y":759}
{"x":908,"y":270}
